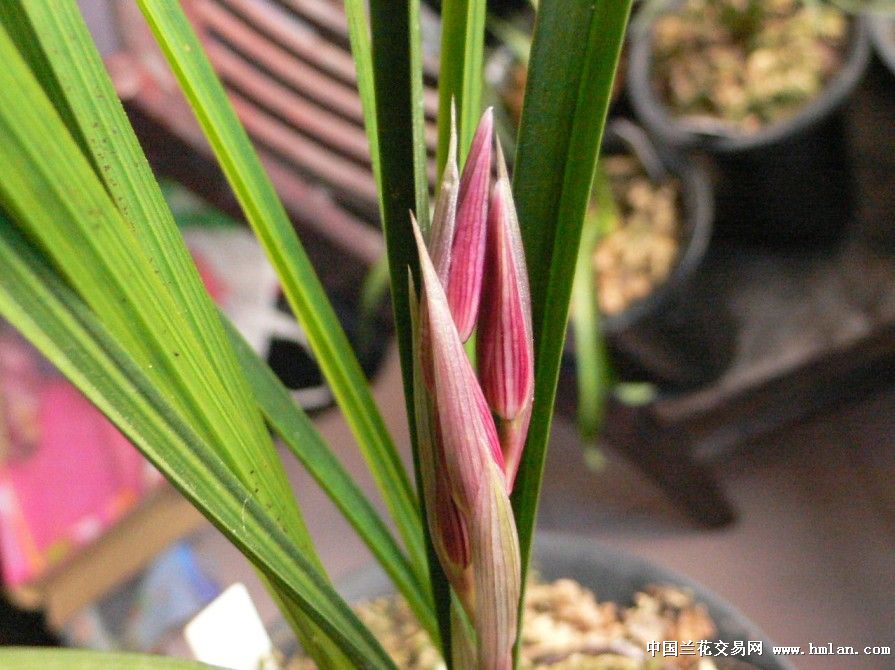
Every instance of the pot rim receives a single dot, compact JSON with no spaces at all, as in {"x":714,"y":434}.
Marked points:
{"x":697,"y":205}
{"x":655,"y":115}
{"x":555,"y":550}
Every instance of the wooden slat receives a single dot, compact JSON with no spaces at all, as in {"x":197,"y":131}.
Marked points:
{"x":326,"y":15}
{"x":272,"y":25}
{"x":329,"y":15}
{"x":315,"y":85}
{"x":343,"y":136}
{"x":306,"y":120}
{"x":168,"y":129}
{"x":353,"y":183}
{"x":296,"y":35}
{"x":324,"y":92}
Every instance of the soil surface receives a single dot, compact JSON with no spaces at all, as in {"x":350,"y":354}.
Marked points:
{"x":739,"y":65}
{"x":640,"y":245}
{"x":566,"y":628}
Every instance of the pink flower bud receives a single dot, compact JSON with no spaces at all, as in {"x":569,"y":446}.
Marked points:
{"x":505,"y":344}
{"x":496,"y":567}
{"x":468,"y":507}
{"x":468,"y":249}
{"x":446,"y":527}
{"x":467,"y":431}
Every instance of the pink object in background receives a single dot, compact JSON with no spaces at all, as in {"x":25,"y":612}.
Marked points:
{"x":66,"y":473}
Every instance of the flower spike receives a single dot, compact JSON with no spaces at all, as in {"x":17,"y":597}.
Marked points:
{"x":465,"y":462}
{"x":468,"y":250}
{"x":505,"y":343}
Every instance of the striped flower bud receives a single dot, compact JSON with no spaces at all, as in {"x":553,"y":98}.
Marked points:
{"x":441,"y":232}
{"x":446,"y":527}
{"x":468,"y":507}
{"x":504,"y":343}
{"x":468,"y":249}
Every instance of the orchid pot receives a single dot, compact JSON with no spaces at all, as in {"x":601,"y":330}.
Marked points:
{"x":573,"y":569}
{"x":767,"y":112}
{"x":660,"y":322}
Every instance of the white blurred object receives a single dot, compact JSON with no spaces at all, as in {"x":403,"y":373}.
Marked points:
{"x":229,"y":633}
{"x":245,"y":285}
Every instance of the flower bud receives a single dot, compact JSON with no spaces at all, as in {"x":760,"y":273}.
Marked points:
{"x":446,"y":527}
{"x":496,"y":567}
{"x":468,"y":249}
{"x":505,"y":344}
{"x":463,"y":475}
{"x":466,"y":428}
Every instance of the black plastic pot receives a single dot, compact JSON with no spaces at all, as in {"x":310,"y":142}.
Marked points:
{"x":291,"y":358}
{"x":788,"y":183}
{"x":498,"y":71}
{"x":613,"y":576}
{"x":882,"y":33}
{"x":680,"y":335}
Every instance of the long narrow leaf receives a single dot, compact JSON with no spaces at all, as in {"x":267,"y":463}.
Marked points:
{"x":417,"y":117}
{"x":70,"y":70}
{"x":572,"y":66}
{"x":460,"y":77}
{"x":396,"y":67}
{"x":296,"y":430}
{"x":300,"y":284}
{"x":79,"y":659}
{"x":54,"y":195}
{"x":72,"y":73}
{"x":57,"y":198}
{"x":46,"y":311}
{"x":359,"y":36}
{"x":591,"y":362}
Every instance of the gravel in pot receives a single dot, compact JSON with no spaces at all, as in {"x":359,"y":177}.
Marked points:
{"x":661,"y":324}
{"x":593,"y":608}
{"x":758,"y":84}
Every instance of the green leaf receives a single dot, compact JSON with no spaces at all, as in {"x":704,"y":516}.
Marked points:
{"x":460,"y":78}
{"x":397,"y":71}
{"x":55,"y":197}
{"x":573,"y":60}
{"x":592,"y":363}
{"x":417,"y":117}
{"x":302,"y":288}
{"x":126,"y":258}
{"x":359,"y":36}
{"x":77,"y":659}
{"x":37,"y":302}
{"x":72,"y":73}
{"x":295,"y":428}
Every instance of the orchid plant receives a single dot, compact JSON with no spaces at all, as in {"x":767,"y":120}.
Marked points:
{"x":94,"y":272}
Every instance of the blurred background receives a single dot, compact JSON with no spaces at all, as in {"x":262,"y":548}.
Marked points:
{"x":726,"y":407}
